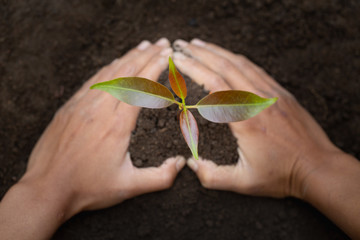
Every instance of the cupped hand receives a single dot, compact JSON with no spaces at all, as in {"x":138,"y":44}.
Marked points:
{"x":83,"y":152}
{"x":278,"y":148}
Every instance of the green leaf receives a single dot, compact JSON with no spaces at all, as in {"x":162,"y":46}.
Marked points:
{"x":190,"y":131}
{"x":177,"y":82}
{"x":138,"y":91}
{"x":232,"y":106}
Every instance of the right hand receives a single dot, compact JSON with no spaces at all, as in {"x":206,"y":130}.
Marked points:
{"x":85,"y":146}
{"x":278,"y":148}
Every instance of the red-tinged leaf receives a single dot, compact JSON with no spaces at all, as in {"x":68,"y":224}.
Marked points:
{"x":177,"y":82}
{"x":232,"y":106}
{"x":137,"y":91}
{"x":190,"y":131}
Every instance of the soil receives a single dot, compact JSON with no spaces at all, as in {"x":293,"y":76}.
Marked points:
{"x":49,"y":48}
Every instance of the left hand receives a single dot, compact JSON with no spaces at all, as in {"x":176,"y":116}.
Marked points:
{"x":278,"y":148}
{"x":83,"y":152}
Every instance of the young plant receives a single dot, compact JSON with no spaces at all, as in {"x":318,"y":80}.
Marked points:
{"x":220,"y":107}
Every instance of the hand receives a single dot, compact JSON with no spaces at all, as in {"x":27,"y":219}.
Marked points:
{"x":278,"y":148}
{"x":81,"y":160}
{"x":85,"y":146}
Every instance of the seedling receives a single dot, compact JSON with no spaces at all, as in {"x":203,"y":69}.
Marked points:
{"x":219,"y":107}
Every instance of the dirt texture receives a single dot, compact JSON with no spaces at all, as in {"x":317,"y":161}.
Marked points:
{"x":49,"y":48}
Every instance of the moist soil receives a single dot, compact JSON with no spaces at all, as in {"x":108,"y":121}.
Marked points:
{"x":49,"y":48}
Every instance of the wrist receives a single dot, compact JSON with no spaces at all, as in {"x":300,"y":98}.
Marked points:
{"x":332,"y":186}
{"x":316,"y":164}
{"x":49,"y":194}
{"x":30,"y":210}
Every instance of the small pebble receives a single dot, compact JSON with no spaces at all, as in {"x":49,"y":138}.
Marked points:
{"x":161,"y":123}
{"x":259,"y":225}
{"x":138,"y":163}
{"x":209,"y":223}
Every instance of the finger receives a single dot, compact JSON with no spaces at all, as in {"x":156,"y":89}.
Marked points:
{"x":250,"y":69}
{"x":156,"y":65}
{"x":128,"y":65}
{"x":156,"y":178}
{"x":152,"y":71}
{"x":199,"y":73}
{"x":132,"y":67}
{"x":107,"y":71}
{"x":219,"y":64}
{"x":144,"y":45}
{"x":135,"y":59}
{"x":213,"y":176}
{"x":141,"y":60}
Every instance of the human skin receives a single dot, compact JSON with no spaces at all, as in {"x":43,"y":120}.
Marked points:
{"x":283,"y":151}
{"x":81,"y":160}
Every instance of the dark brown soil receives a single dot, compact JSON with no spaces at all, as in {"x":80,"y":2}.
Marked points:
{"x":49,"y":48}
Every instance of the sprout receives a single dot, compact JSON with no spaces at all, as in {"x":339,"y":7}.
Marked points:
{"x":220,"y":107}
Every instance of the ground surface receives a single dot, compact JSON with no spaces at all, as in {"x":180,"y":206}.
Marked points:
{"x":49,"y":48}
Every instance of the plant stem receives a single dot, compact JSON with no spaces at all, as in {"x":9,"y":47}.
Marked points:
{"x":191,"y":106}
{"x":178,"y":103}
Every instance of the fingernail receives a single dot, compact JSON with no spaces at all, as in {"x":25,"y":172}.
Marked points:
{"x":179,"y":56}
{"x":198,"y":42}
{"x":166,"y":52}
{"x":143,"y":45}
{"x":192,"y":164}
{"x":180,"y":43}
{"x":163,"y":42}
{"x":180,"y":163}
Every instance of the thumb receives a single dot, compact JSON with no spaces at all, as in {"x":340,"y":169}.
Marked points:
{"x":157,"y":178}
{"x":213,"y":176}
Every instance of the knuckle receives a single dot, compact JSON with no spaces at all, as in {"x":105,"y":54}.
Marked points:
{"x":60,"y":112}
{"x":248,"y":127}
{"x":225,"y":65}
{"x":127,"y":69}
{"x":261,"y":70}
{"x":72,"y":111}
{"x":105,"y":68}
{"x":287,"y":100}
{"x":290,"y":97}
{"x":217,"y":83}
{"x":114,"y":62}
{"x":242,"y":60}
{"x":242,"y":57}
{"x":64,"y":112}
